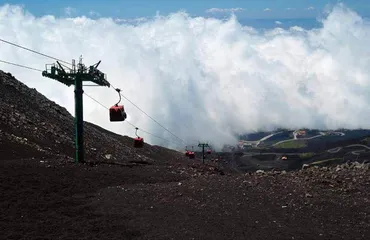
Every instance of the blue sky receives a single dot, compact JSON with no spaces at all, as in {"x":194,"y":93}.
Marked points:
{"x":255,"y":9}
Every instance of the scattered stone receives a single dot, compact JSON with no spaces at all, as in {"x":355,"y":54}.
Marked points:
{"x":304,"y":166}
{"x":308,"y":195}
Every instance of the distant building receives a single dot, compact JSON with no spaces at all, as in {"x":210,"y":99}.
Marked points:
{"x":300,"y":133}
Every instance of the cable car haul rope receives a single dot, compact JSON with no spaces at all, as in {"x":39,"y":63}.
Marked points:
{"x":117,"y":112}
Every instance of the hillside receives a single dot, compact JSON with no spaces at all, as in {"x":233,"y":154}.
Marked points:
{"x":33,"y":126}
{"x":156,"y":193}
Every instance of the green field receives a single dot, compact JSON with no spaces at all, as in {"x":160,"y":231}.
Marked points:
{"x":292,"y":144}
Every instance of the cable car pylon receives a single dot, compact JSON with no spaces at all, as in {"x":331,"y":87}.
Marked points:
{"x":76,"y":77}
{"x":203,"y":145}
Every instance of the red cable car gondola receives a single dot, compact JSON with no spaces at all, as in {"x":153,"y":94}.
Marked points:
{"x":139,"y":141}
{"x":191,"y":153}
{"x":187,"y":151}
{"x":117,"y":112}
{"x":209,"y":151}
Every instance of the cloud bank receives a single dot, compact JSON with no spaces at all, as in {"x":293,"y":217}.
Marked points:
{"x":203,"y":78}
{"x":224,"y":10}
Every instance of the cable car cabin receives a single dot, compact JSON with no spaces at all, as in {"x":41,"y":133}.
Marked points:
{"x":209,"y":151}
{"x":187,"y":153}
{"x":117,"y":113}
{"x":139,"y":142}
{"x":191,"y":155}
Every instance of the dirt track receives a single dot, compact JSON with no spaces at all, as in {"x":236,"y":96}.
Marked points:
{"x":65,"y":201}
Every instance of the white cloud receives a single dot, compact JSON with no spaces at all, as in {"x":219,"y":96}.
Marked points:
{"x":278,"y":23}
{"x":224,"y":10}
{"x":204,"y":79}
{"x":94,"y":14}
{"x":267,"y":10}
{"x":310,"y":8}
{"x":290,"y":9}
{"x":134,"y":20}
{"x":69,"y":11}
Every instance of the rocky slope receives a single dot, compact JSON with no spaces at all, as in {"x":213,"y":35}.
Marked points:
{"x":155,"y":193}
{"x":33,"y":126}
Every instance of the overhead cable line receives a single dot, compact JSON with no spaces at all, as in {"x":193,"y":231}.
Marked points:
{"x":130,"y":122}
{"x":45,"y":55}
{"x":150,"y":116}
{"x":19,"y":65}
{"x":42,"y":54}
{"x":149,"y":133}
